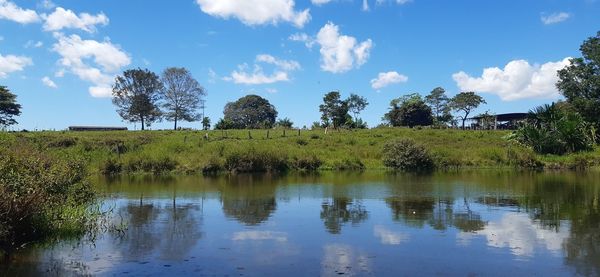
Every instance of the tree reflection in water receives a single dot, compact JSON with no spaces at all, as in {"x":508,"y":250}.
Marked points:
{"x":341,"y":210}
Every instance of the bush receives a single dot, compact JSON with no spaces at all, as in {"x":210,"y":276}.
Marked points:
{"x":111,"y":167}
{"x":309,"y":163}
{"x":301,"y":142}
{"x":153,"y":165}
{"x":62,"y":143}
{"x":349,"y":164}
{"x":213,"y":166}
{"x":407,"y":155}
{"x":255,"y":161}
{"x":40,"y":195}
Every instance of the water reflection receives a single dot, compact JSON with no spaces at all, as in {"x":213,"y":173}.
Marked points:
{"x":336,"y":224}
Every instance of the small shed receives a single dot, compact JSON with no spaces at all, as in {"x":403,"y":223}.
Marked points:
{"x":96,"y":128}
{"x":505,"y":121}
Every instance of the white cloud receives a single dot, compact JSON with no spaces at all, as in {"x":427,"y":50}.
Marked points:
{"x":258,"y":77}
{"x":10,"y":11}
{"x":554,"y":18}
{"x":385,"y":79}
{"x":67,"y":19}
{"x":340,"y":53}
{"x":365,"y":5}
{"x":399,"y":2}
{"x":77,"y":54}
{"x":320,"y":2}
{"x":48,"y":82}
{"x":256,"y":12}
{"x":518,"y":80}
{"x":283,"y":64}
{"x":303,"y":37}
{"x":47,"y":4}
{"x":12,"y":63}
{"x":33,"y":44}
{"x":388,"y":237}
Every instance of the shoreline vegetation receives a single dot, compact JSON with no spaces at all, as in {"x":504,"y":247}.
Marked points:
{"x":283,"y":150}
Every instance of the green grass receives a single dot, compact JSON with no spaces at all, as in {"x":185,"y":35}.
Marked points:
{"x":190,"y":152}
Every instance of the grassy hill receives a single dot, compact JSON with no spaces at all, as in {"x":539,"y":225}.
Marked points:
{"x":193,"y":152}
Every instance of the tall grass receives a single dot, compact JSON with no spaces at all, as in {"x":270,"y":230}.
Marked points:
{"x":189,"y":152}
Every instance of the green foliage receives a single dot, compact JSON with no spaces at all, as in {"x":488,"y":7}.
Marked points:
{"x":356,"y":104}
{"x":205,"y":123}
{"x":250,"y":112}
{"x":551,"y":129}
{"x":580,"y":81}
{"x":439,"y":103}
{"x":334,"y":110}
{"x":285,"y":123}
{"x":306,"y":163}
{"x":224,"y":124}
{"x":9,"y":107}
{"x":253,"y":160}
{"x":349,"y":164}
{"x":466,"y":102}
{"x":181,"y":94}
{"x":37,"y":191}
{"x":407,"y":155}
{"x":136,"y":94}
{"x":409,"y":110}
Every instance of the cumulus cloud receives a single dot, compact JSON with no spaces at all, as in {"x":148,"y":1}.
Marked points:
{"x":320,"y":2}
{"x":283,"y":64}
{"x":48,"y":82}
{"x":385,"y":79}
{"x":67,"y":19}
{"x":258,"y":77}
{"x":303,"y":37}
{"x":518,"y":80}
{"x":256,"y":12}
{"x":341,"y":53}
{"x":10,"y":11}
{"x":92,"y":61}
{"x":554,"y":18}
{"x":12,"y":63}
{"x":33,"y":44}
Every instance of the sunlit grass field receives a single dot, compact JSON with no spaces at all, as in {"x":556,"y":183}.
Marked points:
{"x":191,"y":152}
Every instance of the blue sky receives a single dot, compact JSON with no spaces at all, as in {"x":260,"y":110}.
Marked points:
{"x":60,"y":57}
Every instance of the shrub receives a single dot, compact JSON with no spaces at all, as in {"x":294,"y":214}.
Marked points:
{"x":315,"y":136}
{"x":301,"y":142}
{"x":62,"y":143}
{"x":407,"y":155}
{"x":40,"y":195}
{"x":255,"y":161}
{"x":349,"y":164}
{"x":111,"y":167}
{"x":213,"y":166}
{"x":153,"y":165}
{"x":308,"y":163}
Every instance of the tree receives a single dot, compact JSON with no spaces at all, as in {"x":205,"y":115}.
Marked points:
{"x":356,"y":104}
{"x":136,"y":95}
{"x":466,"y":102}
{"x":182,"y":95}
{"x":8,"y":107}
{"x":285,"y":123}
{"x":409,"y":110}
{"x":205,"y":123}
{"x":334,"y":110}
{"x":250,"y":112}
{"x":438,"y":101}
{"x":580,"y":81}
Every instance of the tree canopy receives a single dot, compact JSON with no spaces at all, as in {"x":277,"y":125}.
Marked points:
{"x":356,"y":104}
{"x":438,"y":101}
{"x":182,"y":95}
{"x":250,"y":112}
{"x":409,"y":110}
{"x":465,"y":103}
{"x":136,"y":94}
{"x":580,"y":81}
{"x":334,"y":110}
{"x":9,"y":107}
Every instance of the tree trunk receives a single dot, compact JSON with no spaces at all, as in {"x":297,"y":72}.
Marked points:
{"x":463,"y":122}
{"x":175,"y":128}
{"x":142,"y":119}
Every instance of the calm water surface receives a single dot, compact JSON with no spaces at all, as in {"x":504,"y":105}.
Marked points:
{"x":483,"y":223}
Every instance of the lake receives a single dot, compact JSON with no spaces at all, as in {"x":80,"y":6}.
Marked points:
{"x":492,"y":223}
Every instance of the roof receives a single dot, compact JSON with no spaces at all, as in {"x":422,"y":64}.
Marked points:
{"x":506,"y":116}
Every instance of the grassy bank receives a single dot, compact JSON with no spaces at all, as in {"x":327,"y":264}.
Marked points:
{"x":193,"y":152}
